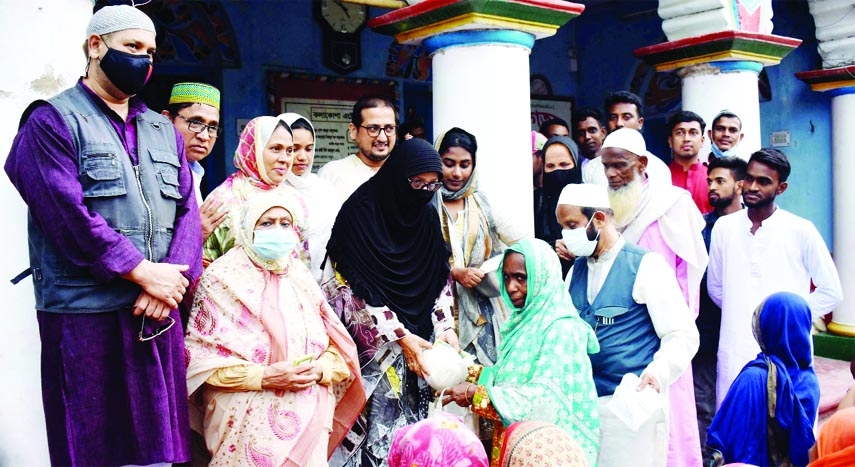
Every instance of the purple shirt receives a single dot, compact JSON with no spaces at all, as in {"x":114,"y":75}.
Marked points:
{"x":42,"y":165}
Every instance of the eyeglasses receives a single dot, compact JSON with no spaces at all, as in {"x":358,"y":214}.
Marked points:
{"x":144,"y":337}
{"x":197,"y":127}
{"x":374,"y":130}
{"x":418,"y":184}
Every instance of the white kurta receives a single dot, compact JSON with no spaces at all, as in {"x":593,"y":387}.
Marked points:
{"x":784,"y":255}
{"x":346,"y":175}
{"x":323,"y":203}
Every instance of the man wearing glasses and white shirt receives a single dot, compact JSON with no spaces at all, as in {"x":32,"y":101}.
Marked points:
{"x":373,"y":127}
{"x":194,"y":109}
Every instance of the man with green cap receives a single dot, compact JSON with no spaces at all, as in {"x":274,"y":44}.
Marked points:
{"x":194,"y":109}
{"x":115,"y":243}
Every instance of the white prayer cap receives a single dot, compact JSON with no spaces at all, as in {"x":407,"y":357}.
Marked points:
{"x":118,"y":18}
{"x":627,"y":139}
{"x":585,"y":195}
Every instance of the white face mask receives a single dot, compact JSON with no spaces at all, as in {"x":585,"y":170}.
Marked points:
{"x":275,"y":244}
{"x":719,"y":153}
{"x":577,"y":242}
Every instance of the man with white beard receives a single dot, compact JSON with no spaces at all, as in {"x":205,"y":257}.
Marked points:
{"x":661,"y":218}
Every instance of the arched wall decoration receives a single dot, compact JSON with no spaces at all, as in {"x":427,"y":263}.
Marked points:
{"x":660,"y":92}
{"x":408,"y":62}
{"x":190,"y":34}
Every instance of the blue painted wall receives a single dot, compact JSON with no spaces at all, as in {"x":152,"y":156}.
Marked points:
{"x":549,"y":57}
{"x":806,"y":114}
{"x":606,"y":36}
{"x":285,"y":35}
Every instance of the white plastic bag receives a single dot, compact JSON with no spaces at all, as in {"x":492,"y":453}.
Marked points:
{"x":635,"y":407}
{"x":447,"y":367}
{"x":470,"y":420}
{"x":437,"y":407}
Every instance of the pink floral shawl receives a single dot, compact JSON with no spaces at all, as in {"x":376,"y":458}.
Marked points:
{"x":248,"y":312}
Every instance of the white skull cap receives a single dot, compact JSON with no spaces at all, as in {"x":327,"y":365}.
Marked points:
{"x":118,"y":18}
{"x":627,"y":139}
{"x":585,"y":195}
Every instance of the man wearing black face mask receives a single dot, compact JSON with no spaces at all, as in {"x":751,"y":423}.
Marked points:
{"x":115,"y":243}
{"x":632,"y":300}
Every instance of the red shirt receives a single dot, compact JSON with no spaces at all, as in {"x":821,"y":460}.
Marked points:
{"x":694,"y":181}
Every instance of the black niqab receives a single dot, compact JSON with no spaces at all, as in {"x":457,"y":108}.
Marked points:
{"x":387,"y":240}
{"x":546,"y":225}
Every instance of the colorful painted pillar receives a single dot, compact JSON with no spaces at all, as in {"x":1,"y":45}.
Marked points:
{"x":837,"y":78}
{"x":49,"y":63}
{"x":480,"y":51}
{"x":718,"y":49}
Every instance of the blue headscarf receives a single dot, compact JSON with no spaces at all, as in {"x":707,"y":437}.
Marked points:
{"x":782,"y":325}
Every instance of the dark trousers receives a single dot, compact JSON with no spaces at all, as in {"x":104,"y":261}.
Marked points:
{"x":704,"y":373}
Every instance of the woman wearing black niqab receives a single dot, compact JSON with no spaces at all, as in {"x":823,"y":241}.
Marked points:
{"x":546,"y":226}
{"x":392,"y":290}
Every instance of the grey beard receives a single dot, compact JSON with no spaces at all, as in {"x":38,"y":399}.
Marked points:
{"x":624,"y":201}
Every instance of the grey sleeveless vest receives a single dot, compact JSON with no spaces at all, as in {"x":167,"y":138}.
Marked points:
{"x":623,"y":327}
{"x":137,"y":201}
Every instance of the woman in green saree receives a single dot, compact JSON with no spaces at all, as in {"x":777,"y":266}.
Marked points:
{"x":543,"y":371}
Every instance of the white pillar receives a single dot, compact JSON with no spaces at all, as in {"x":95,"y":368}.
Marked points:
{"x":734,"y":85}
{"x":843,"y":170}
{"x":481,"y":84}
{"x":43,"y":55}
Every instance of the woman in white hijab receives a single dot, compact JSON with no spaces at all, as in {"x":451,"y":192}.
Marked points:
{"x":320,"y":196}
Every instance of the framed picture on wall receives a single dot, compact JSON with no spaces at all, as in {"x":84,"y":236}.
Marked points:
{"x":327,"y":102}
{"x":544,"y":108}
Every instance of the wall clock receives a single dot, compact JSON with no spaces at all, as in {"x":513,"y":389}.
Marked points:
{"x":343,"y":22}
{"x":343,"y":17}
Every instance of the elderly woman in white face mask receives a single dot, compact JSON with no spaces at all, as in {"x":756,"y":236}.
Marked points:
{"x":271,"y":369}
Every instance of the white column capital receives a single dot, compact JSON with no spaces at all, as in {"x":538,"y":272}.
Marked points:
{"x":682,"y":19}
{"x":835,"y":31}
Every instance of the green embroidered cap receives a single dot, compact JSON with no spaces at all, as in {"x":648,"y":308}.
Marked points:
{"x":202,"y":93}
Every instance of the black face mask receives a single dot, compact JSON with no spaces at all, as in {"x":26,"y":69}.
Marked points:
{"x":555,"y":181}
{"x":127,"y":71}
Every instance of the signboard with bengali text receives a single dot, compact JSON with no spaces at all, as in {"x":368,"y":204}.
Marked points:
{"x":545,"y":108}
{"x":330,"y":119}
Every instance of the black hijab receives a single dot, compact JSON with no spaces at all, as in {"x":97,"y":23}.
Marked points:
{"x":387,"y":240}
{"x":546,"y":225}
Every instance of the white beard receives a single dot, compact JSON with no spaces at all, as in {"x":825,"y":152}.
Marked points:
{"x":625,"y":200}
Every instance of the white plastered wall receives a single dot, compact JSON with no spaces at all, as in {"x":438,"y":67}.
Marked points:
{"x":42,"y":55}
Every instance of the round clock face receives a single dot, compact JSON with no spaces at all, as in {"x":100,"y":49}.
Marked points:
{"x":342,"y":16}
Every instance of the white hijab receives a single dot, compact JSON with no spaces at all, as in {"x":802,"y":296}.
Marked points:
{"x":322,"y":201}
